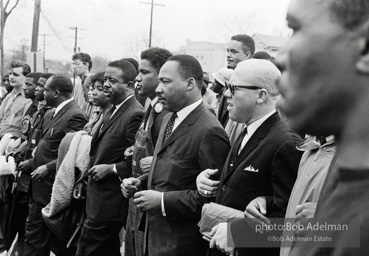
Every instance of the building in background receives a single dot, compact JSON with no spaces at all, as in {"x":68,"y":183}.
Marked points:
{"x":269,"y":44}
{"x":212,"y":56}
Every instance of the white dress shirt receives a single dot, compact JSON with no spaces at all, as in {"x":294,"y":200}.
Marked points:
{"x":61,"y":105}
{"x":251,"y":129}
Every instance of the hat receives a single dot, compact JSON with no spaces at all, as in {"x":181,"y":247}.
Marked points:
{"x":223,"y":75}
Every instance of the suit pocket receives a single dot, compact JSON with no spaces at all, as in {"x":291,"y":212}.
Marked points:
{"x":251,"y":175}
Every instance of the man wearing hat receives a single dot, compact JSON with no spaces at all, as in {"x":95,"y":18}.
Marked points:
{"x":221,"y":77}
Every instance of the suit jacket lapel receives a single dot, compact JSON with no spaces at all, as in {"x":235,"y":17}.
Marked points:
{"x":117,"y":114}
{"x":252,"y":143}
{"x":57,"y":116}
{"x":182,"y":128}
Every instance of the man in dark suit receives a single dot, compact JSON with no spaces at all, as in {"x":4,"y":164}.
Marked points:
{"x":190,"y":140}
{"x":141,"y":153}
{"x":263,"y":161}
{"x":105,"y":206}
{"x":66,"y":117}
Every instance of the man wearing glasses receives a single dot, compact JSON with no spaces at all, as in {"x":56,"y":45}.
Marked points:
{"x":263,"y":161}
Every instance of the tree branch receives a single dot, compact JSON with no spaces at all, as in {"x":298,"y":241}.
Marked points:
{"x":13,"y":7}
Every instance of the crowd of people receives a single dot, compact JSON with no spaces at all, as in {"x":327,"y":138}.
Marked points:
{"x":167,"y":159}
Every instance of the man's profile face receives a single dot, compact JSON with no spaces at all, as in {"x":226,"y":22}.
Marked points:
{"x":49,"y":94}
{"x":40,"y":89}
{"x":79,"y":67}
{"x":114,"y":86}
{"x":242,"y":103}
{"x":171,"y":90}
{"x":16,"y":77}
{"x":29,"y":88}
{"x":318,"y":69}
{"x":147,"y":79}
{"x":235,"y":54}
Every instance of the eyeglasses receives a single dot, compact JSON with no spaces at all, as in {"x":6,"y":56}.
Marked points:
{"x":232,"y":87}
{"x":77,"y":63}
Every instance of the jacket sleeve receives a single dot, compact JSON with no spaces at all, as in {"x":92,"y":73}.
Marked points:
{"x":75,"y":123}
{"x":214,"y":148}
{"x":284,"y":172}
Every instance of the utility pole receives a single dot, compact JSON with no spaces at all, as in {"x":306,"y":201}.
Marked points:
{"x":76,"y":38}
{"x":75,"y":49}
{"x":151,"y":18}
{"x":36,"y":23}
{"x":2,"y":40}
{"x":44,"y":44}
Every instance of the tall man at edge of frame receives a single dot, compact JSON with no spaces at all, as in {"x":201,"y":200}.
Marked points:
{"x":324,"y":90}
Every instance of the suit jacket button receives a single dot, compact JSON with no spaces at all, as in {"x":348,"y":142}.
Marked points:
{"x":223,"y":187}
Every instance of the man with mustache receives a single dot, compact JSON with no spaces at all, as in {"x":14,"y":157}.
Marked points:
{"x":106,"y":207}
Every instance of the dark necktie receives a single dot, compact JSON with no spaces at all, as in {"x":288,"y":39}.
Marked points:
{"x":147,"y":115}
{"x":169,"y":129}
{"x":238,"y":143}
{"x":107,"y":117}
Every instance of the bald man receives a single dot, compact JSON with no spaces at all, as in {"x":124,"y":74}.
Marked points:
{"x":263,"y":161}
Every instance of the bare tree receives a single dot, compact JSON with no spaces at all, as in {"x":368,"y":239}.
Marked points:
{"x":4,"y":16}
{"x":136,"y":43}
{"x":225,"y":26}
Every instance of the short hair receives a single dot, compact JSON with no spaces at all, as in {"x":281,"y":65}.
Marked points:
{"x":264,"y":72}
{"x":98,"y":77}
{"x":350,"y":13}
{"x":61,"y":83}
{"x":21,"y":64}
{"x":6,"y":77}
{"x":189,"y":66}
{"x":127,"y":68}
{"x":47,"y":75}
{"x":248,"y":44}
{"x":84,"y":57}
{"x":157,"y":57}
{"x":261,"y":55}
{"x":35,"y":76}
{"x":133,"y":62}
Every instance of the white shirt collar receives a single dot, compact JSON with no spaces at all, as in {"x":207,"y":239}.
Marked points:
{"x":61,"y":105}
{"x":251,"y":129}
{"x":119,"y":105}
{"x":184,"y":112}
{"x":153,"y":102}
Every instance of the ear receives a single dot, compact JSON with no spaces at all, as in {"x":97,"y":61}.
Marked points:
{"x":56,"y":94}
{"x":191,"y":83}
{"x":262,"y":96}
{"x":362,"y":65}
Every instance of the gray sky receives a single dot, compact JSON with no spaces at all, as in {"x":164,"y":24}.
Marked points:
{"x":117,"y":28}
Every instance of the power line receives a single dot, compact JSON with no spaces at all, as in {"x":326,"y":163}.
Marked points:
{"x":54,"y":30}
